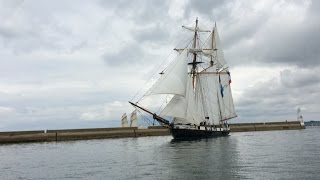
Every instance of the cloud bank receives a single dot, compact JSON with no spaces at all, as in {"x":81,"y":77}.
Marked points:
{"x":76,"y":64}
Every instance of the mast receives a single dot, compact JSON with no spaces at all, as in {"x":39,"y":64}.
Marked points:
{"x":194,"y":62}
{"x":213,"y":45}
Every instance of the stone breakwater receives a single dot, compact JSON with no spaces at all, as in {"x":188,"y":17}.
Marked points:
{"x":101,"y":133}
{"x":267,"y":126}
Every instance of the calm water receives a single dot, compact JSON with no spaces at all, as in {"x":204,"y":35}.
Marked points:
{"x":251,"y":155}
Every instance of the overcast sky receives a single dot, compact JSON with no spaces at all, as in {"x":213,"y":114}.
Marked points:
{"x":76,"y":64}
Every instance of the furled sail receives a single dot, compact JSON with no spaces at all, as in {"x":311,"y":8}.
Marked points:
{"x":173,"y":81}
{"x":124,"y":121}
{"x":133,"y":119}
{"x":195,"y":29}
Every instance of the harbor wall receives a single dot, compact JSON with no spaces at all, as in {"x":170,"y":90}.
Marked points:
{"x":78,"y":134}
{"x":267,"y":126}
{"x":119,"y":132}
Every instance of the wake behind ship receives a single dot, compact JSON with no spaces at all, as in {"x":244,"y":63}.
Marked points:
{"x":198,"y":81}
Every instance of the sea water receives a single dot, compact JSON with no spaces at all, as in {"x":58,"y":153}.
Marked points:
{"x":291,"y":154}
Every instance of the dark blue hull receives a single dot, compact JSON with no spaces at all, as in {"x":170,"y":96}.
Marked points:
{"x":196,"y":134}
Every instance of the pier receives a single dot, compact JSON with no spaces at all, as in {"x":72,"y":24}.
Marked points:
{"x":127,"y":132}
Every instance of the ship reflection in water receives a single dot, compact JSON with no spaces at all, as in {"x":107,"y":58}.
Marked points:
{"x":215,"y":158}
{"x":290,"y":154}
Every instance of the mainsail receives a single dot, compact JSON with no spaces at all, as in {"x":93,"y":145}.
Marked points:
{"x":200,"y":85}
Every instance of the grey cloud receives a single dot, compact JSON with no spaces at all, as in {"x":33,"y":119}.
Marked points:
{"x":46,"y":34}
{"x":302,"y":78}
{"x":128,"y":55}
{"x":36,"y":27}
{"x":141,"y":12}
{"x":293,"y":46}
{"x":79,"y":46}
{"x":7,"y":33}
{"x":251,"y":36}
{"x":155,"y":34}
{"x":207,"y":7}
{"x":280,"y":97}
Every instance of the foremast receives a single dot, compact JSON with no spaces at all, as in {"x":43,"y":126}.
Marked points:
{"x":194,"y":62}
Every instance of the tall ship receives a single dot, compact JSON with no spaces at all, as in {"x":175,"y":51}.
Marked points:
{"x":198,"y":81}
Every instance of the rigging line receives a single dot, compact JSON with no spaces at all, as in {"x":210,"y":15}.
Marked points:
{"x":203,"y":23}
{"x":162,"y":104}
{"x":186,"y":42}
{"x":144,"y":117}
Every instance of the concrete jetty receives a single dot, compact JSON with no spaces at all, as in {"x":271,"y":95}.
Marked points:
{"x":101,"y":133}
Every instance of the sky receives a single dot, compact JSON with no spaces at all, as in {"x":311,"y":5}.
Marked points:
{"x":76,"y":64}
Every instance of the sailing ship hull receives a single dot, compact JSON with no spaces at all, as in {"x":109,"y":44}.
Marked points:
{"x":196,"y":134}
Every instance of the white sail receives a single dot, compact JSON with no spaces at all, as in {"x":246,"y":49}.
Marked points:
{"x":217,"y":79}
{"x":173,"y":81}
{"x":221,"y":62}
{"x":186,"y":109}
{"x":218,"y":97}
{"x":175,"y":108}
{"x":194,"y":107}
{"x":212,"y":49}
{"x":124,"y":121}
{"x":133,"y":119}
{"x":227,"y":110}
